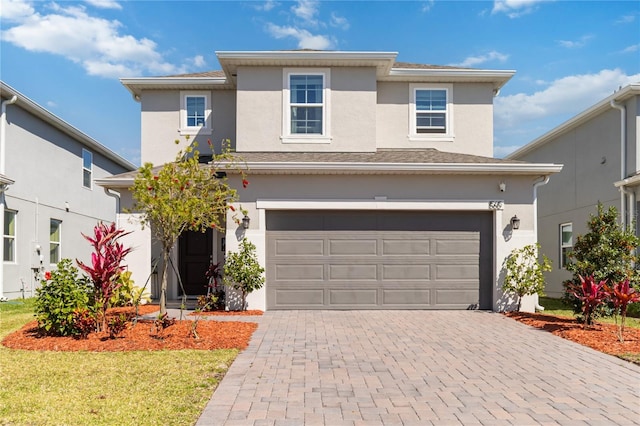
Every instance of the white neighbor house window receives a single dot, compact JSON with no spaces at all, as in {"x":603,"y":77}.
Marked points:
{"x":431,"y":112}
{"x":9,"y":234}
{"x":87,"y":168}
{"x":566,"y":243}
{"x":306,"y":105}
{"x":195,"y":113}
{"x":54,"y":240}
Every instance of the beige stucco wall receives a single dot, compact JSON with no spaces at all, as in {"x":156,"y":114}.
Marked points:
{"x":160,"y":124}
{"x":352,"y":109}
{"x":409,"y":192}
{"x":472,"y":115}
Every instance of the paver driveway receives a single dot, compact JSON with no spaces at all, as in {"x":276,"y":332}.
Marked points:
{"x":419,"y":367}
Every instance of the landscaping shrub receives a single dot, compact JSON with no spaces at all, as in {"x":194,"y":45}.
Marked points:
{"x":62,"y":293}
{"x":524,"y":273}
{"x":605,"y":253}
{"x":242,"y":271}
{"x":127,"y":293}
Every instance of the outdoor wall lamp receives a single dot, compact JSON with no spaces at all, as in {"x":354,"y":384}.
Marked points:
{"x":502,"y":186}
{"x":515,"y":222}
{"x":245,"y":222}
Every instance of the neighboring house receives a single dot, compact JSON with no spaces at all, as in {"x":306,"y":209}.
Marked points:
{"x":600,"y":150}
{"x":372,"y":182}
{"x":47,"y":173}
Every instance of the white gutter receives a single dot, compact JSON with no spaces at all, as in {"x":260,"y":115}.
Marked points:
{"x":536,"y":185}
{"x":3,"y":120}
{"x":623,"y":159}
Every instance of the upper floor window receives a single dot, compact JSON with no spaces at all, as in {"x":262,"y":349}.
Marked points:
{"x":306,"y":104}
{"x":87,"y":168}
{"x":55,"y":229}
{"x":566,"y":243}
{"x":431,"y":114}
{"x":195,"y":113}
{"x":9,"y":235}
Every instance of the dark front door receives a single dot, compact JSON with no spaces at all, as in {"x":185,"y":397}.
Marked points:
{"x":194,"y":252}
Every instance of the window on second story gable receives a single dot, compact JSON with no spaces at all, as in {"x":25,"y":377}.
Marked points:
{"x":306,"y":105}
{"x":87,"y":168}
{"x":195,"y":113}
{"x":431,"y":114}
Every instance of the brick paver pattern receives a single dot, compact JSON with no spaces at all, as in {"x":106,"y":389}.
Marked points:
{"x":419,"y":368}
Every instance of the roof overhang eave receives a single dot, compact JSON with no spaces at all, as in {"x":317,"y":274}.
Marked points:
{"x":136,"y":85}
{"x":537,"y":169}
{"x":498,"y":77}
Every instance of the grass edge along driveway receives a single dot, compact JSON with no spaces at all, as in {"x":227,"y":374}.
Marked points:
{"x":107,"y":388}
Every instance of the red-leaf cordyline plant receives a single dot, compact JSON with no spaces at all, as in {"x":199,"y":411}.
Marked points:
{"x":106,"y":264}
{"x":622,"y":294}
{"x":591,"y":294}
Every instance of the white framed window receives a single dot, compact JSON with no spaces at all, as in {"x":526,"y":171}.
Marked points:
{"x":195,"y":113}
{"x":55,"y":240}
{"x":306,"y":100}
{"x":9,"y":235}
{"x":431,"y":112}
{"x":566,"y":243}
{"x":87,"y":168}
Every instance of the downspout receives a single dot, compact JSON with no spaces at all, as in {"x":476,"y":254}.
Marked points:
{"x":3,"y":121}
{"x":535,"y":223}
{"x":623,"y":159}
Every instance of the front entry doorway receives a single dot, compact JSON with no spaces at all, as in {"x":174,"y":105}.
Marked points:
{"x":195,"y":251}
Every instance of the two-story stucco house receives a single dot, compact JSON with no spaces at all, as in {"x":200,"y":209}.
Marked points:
{"x":47,"y":173}
{"x":600,"y":150}
{"x":372,"y":182}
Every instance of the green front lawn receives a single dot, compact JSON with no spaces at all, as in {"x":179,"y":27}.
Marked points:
{"x":109,"y":388}
{"x":556,"y":307}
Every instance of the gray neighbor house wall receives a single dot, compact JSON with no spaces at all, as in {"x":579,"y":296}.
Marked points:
{"x":590,"y":145}
{"x":44,"y":159}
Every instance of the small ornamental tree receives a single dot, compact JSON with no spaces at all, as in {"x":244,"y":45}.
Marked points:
{"x":242,"y":271}
{"x":605,"y":253}
{"x":184,"y":195}
{"x":621,"y":295}
{"x":106,"y":265}
{"x":524,"y":273}
{"x":591,"y":295}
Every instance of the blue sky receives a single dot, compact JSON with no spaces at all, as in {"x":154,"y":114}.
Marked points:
{"x":68,"y":56}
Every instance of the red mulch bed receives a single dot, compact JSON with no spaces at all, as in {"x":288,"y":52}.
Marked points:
{"x":253,"y":312}
{"x":144,"y":336}
{"x":601,"y":337}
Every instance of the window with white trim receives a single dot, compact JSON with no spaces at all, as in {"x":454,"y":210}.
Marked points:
{"x":431,"y":112}
{"x":87,"y":168}
{"x":9,"y":236}
{"x":195,"y":113}
{"x":566,"y":243}
{"x":55,"y":240}
{"x":306,"y":106}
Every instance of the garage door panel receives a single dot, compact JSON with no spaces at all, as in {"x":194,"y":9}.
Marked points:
{"x":299,"y":297}
{"x":458,"y":297}
{"x":406,"y":247}
{"x":406,"y":272}
{"x":459,"y":247}
{"x":352,"y":247}
{"x":353,"y":297}
{"x":457,"y":272}
{"x":288,"y":272}
{"x":404,"y":297}
{"x":284,"y":247}
{"x":353,"y":272}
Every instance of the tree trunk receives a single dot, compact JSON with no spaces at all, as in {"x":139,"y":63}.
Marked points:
{"x":163,"y":287}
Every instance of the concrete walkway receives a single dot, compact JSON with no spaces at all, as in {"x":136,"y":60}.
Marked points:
{"x":419,"y":368}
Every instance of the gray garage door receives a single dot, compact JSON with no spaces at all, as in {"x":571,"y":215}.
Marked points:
{"x":378,"y":260}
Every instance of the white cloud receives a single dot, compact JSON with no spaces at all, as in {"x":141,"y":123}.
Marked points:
{"x":626,"y":19}
{"x":581,"y":42}
{"x":95,"y":43}
{"x":427,"y":5}
{"x":266,"y":6}
{"x":515,"y":8}
{"x":51,"y":104}
{"x":198,"y":61}
{"x":105,"y":4}
{"x":565,"y":96}
{"x":472,"y":61}
{"x":306,"y":40}
{"x":339,"y":21}
{"x":306,"y":10}
{"x":631,"y":49}
{"x":15,"y":10}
